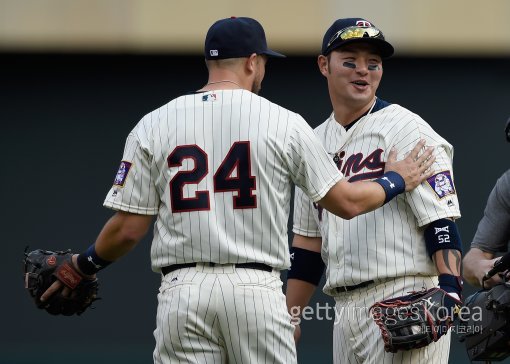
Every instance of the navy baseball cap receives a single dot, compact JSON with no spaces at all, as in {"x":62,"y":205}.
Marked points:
{"x":235,"y":38}
{"x":350,"y":30}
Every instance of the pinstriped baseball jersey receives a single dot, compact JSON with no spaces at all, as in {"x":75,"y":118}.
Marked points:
{"x":217,"y":167}
{"x":389,"y":241}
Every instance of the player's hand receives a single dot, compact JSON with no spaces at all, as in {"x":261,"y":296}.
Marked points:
{"x":485,"y":265}
{"x":58,"y":286}
{"x":54,"y":288}
{"x":414,"y":168}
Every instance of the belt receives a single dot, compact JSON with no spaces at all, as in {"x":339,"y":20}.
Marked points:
{"x":351,"y":288}
{"x":258,"y":266}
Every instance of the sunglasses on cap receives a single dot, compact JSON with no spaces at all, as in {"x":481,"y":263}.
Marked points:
{"x":355,"y":32}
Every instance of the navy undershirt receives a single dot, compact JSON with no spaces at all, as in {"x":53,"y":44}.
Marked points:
{"x":379,"y":104}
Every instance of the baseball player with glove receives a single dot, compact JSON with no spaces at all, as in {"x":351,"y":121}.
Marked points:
{"x":216,"y":167}
{"x":394,"y":272}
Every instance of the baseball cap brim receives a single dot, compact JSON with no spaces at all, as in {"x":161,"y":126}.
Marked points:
{"x":271,"y":53}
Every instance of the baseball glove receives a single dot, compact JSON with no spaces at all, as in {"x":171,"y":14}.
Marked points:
{"x":43,"y":267}
{"x":414,"y":321}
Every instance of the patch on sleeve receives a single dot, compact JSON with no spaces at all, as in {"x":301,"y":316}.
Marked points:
{"x":122,"y":173}
{"x":442,"y":184}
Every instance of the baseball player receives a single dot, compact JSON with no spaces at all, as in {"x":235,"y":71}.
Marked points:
{"x":491,"y":237}
{"x":409,"y":244}
{"x":215,"y":167}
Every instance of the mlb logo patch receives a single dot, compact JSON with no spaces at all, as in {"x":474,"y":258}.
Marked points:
{"x":209,"y":97}
{"x":120,"y":178}
{"x":442,"y":184}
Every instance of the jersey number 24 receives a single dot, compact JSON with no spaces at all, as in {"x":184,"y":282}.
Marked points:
{"x":237,"y":159}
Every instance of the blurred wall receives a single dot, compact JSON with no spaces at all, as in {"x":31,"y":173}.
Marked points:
{"x":434,"y":27}
{"x":64,"y":123}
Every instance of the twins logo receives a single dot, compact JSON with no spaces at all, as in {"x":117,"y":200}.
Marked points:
{"x":363,"y":23}
{"x":354,"y":164}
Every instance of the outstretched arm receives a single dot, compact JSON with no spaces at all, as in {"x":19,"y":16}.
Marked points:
{"x":349,"y":200}
{"x":119,"y":235}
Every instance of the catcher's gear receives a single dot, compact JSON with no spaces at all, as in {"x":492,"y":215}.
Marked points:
{"x":42,"y":268}
{"x":485,"y":324}
{"x":414,"y":321}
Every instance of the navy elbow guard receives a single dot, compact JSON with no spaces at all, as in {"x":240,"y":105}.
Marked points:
{"x":306,"y":265}
{"x":392,"y":183}
{"x":442,"y":234}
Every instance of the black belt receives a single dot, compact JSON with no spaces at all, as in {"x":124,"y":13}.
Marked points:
{"x":352,"y":288}
{"x":259,"y":266}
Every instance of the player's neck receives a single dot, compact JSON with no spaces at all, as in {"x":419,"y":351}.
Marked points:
{"x":221,"y":85}
{"x":224,"y":80}
{"x":345,"y":115}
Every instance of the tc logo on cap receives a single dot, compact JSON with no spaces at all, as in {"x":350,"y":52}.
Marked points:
{"x":363,"y":23}
{"x":214,"y":52}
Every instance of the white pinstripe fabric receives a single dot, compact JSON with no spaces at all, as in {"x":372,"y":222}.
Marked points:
{"x":217,"y":315}
{"x":214,"y":316}
{"x":389,"y":241}
{"x":283,"y":150}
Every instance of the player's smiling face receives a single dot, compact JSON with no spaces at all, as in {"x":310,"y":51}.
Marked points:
{"x":354,"y":72}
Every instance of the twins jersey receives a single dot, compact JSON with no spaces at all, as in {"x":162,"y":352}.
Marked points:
{"x":389,"y":241}
{"x":217,"y":170}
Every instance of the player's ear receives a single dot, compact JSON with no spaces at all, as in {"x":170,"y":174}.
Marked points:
{"x":251,"y":63}
{"x":322,"y":62}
